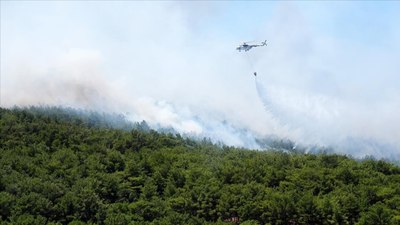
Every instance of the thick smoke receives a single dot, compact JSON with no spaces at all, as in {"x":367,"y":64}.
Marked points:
{"x":332,"y":92}
{"x":170,"y":65}
{"x":326,"y":121}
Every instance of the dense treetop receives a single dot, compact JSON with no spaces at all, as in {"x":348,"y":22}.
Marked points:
{"x":63,"y":167}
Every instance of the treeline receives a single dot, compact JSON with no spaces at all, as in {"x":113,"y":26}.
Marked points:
{"x":58,"y":167}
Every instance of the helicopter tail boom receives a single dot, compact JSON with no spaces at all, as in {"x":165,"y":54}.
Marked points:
{"x":264,"y":43}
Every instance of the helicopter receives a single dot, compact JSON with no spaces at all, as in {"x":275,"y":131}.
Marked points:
{"x":246,"y":47}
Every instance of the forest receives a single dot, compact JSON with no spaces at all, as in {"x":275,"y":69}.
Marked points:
{"x":61,"y":166}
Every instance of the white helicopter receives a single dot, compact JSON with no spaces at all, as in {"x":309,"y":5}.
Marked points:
{"x":246,"y":47}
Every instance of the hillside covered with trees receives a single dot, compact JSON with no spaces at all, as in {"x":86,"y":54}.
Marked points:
{"x":58,"y":167}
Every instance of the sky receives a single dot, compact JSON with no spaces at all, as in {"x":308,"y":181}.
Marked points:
{"x":328,"y":77}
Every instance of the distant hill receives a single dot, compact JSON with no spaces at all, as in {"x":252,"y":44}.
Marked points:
{"x":64,"y":166}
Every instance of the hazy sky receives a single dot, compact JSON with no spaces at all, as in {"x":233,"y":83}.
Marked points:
{"x":329,"y":75}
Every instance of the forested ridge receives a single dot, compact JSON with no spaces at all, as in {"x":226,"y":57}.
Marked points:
{"x":58,"y":167}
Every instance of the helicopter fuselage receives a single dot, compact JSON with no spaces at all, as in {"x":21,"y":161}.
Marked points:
{"x":245,"y":47}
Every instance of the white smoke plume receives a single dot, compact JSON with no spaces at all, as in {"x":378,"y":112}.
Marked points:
{"x":174,"y":65}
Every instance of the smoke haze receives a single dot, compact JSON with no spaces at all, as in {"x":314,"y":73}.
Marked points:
{"x":327,"y":77}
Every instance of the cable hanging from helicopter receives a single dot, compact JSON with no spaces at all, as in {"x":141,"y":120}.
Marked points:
{"x":246,"y":47}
